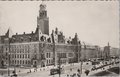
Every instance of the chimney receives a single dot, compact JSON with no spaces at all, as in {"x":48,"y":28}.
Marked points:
{"x":24,"y":32}
{"x":16,"y":33}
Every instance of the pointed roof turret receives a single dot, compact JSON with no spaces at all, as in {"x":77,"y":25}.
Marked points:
{"x":9,"y":33}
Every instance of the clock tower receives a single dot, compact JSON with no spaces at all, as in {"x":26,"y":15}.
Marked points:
{"x":43,"y":20}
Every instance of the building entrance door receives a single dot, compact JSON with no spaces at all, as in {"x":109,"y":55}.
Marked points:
{"x":42,"y":64}
{"x":34,"y":63}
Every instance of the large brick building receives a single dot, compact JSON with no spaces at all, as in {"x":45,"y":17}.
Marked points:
{"x":40,"y":48}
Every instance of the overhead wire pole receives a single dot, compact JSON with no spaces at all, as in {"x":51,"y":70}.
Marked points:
{"x":79,"y":49}
{"x":81,"y":57}
{"x":53,"y":42}
{"x":8,"y":56}
{"x":59,"y":61}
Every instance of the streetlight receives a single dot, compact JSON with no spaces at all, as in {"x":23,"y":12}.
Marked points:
{"x":8,"y":64}
{"x":59,"y":61}
{"x":9,"y":57}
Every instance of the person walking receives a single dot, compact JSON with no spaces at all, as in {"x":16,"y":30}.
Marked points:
{"x":30,"y":70}
{"x":87,"y":72}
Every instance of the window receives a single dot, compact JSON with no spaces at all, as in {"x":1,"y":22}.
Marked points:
{"x":12,"y":55}
{"x":70,"y":54}
{"x":23,"y":55}
{"x":28,"y":55}
{"x":20,"y":55}
{"x":6,"y":49}
{"x":23,"y":61}
{"x":15,"y":61}
{"x":18,"y":62}
{"x":47,"y":55}
{"x":47,"y":61}
{"x":26,"y":62}
{"x":15,"y":56}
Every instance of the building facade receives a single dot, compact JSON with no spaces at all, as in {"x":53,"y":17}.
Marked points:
{"x":40,"y":49}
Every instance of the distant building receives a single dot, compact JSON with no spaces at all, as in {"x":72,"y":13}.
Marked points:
{"x":114,"y":52}
{"x":106,"y":53}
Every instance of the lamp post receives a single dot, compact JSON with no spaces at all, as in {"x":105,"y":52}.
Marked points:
{"x":59,"y":62}
{"x":8,"y":56}
{"x":8,"y":64}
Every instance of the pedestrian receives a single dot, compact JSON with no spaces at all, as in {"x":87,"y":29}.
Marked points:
{"x":67,"y":75}
{"x":87,"y":72}
{"x":78,"y":70}
{"x":78,"y":75}
{"x":36,"y":69}
{"x":70,"y":75}
{"x":30,"y":70}
{"x":2,"y":73}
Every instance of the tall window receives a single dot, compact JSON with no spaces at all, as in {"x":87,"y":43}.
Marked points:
{"x":20,"y":55}
{"x":23,"y":55}
{"x":28,"y":55}
{"x":47,"y":55}
{"x":26,"y":62}
{"x":15,"y":61}
{"x":15,"y":56}
{"x":12,"y":55}
{"x":18,"y":62}
{"x":47,"y":61}
{"x":23,"y":61}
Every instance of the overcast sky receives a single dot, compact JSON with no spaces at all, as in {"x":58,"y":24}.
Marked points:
{"x":96,"y":22}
